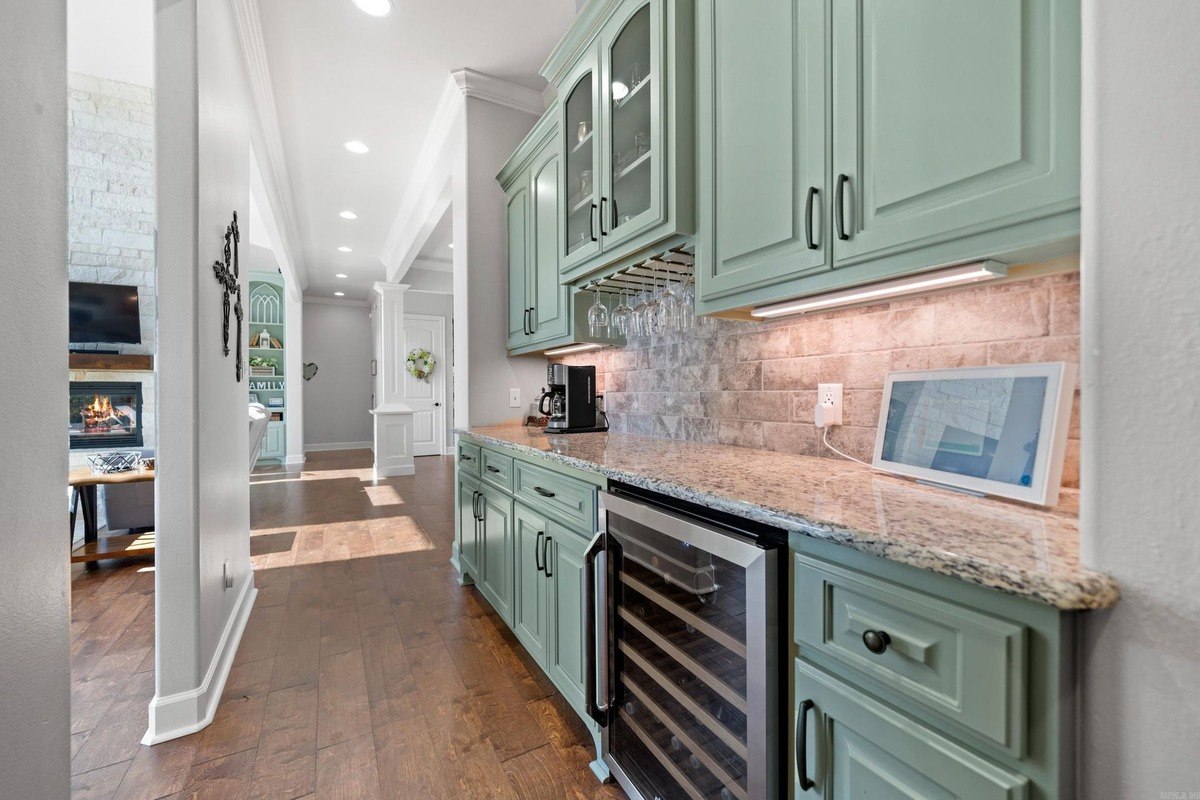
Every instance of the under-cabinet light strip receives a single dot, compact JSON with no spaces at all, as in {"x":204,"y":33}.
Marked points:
{"x":968,"y":273}
{"x":573,"y":348}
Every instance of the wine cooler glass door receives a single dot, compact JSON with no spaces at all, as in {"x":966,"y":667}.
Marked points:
{"x":692,"y":666}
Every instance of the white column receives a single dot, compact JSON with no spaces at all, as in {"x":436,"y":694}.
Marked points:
{"x":393,"y":417}
{"x":294,"y":369}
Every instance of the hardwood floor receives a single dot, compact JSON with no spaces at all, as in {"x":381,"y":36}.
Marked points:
{"x":365,"y":671}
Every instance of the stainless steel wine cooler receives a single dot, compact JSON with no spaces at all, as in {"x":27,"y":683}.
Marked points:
{"x":685,"y":650}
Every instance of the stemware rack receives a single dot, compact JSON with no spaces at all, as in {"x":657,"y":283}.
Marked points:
{"x":674,"y":265}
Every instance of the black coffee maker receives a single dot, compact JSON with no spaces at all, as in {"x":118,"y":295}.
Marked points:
{"x":570,"y":402}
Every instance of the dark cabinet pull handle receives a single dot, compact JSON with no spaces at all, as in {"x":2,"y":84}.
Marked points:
{"x":838,"y":211}
{"x":603,"y":232}
{"x":543,"y":492}
{"x":813,"y":192}
{"x":876,"y":641}
{"x":806,"y":782}
{"x":525,"y":322}
{"x":546,"y":556}
{"x":537,"y":547}
{"x":465,"y":457}
{"x":532,"y":320}
{"x":490,"y":468}
{"x":475,"y":505}
{"x":595,"y":708}
{"x":592,"y":223}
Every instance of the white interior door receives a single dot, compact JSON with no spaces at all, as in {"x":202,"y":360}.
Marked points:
{"x":427,"y":397}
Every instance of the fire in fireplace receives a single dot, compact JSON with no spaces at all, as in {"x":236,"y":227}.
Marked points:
{"x":105,"y":415}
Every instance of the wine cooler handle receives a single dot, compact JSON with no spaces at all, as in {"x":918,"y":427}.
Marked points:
{"x":597,"y":710}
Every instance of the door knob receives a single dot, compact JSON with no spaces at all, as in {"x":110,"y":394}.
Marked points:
{"x":437,"y":405}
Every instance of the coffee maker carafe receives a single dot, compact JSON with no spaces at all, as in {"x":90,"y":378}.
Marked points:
{"x":570,"y":401}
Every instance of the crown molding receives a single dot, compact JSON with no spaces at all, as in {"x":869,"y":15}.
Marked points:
{"x":433,"y":264}
{"x":426,"y":197}
{"x":588,"y":23}
{"x":337,"y":301}
{"x":495,"y":90}
{"x":276,"y":174}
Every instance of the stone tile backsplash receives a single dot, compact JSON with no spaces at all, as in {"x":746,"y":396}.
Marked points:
{"x":755,"y":384}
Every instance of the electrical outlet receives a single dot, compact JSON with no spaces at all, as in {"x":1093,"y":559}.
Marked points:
{"x":514,"y":398}
{"x":829,"y":405}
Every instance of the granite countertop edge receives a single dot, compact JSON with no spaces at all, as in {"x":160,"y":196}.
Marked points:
{"x":1084,"y":591}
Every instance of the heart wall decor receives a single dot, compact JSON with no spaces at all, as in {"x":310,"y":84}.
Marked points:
{"x":309,"y":371}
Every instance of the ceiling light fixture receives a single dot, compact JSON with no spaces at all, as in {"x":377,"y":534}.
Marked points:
{"x":348,"y":215}
{"x":339,"y":294}
{"x":573,"y":348}
{"x":451,"y":245}
{"x":341,"y":275}
{"x":620,"y":91}
{"x":374,"y":8}
{"x":954,"y":276}
{"x":356,"y":146}
{"x":343,"y":249}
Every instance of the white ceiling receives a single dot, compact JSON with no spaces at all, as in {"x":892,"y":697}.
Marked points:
{"x":339,"y":74}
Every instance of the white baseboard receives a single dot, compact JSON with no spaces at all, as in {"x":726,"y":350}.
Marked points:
{"x":394,"y":472}
{"x":293,"y":461}
{"x":186,"y":712}
{"x":316,"y":448}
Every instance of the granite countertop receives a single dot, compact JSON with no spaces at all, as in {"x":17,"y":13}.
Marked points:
{"x":1005,"y":546}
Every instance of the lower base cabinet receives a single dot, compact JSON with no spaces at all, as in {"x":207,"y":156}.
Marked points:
{"x":494,"y":576}
{"x":467,"y":533}
{"x":848,"y":744}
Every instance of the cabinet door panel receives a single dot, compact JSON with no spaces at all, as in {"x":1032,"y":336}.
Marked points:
{"x":564,"y":659}
{"x":579,"y":195}
{"x":952,"y":118}
{"x":546,"y":294}
{"x":762,"y":143}
{"x":634,"y":113}
{"x":497,"y":552}
{"x":860,"y":748}
{"x":518,"y":262}
{"x":466,"y":527}
{"x":529,"y":589}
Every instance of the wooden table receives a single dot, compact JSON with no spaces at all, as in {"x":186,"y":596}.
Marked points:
{"x":83,"y":482}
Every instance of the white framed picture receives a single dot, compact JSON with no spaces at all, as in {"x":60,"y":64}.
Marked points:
{"x":998,"y":431}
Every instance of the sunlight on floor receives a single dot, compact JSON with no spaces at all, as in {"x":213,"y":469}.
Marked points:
{"x":384,"y":495}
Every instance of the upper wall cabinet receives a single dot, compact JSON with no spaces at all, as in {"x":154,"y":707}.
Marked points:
{"x":908,"y":135}
{"x":624,"y":77}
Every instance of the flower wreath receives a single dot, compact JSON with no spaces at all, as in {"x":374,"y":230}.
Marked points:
{"x":420,"y":363}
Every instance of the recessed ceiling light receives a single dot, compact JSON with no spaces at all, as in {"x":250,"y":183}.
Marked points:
{"x":343,"y":249}
{"x":375,"y":8}
{"x":341,"y":275}
{"x":348,"y":215}
{"x":356,"y":147}
{"x":452,"y":245}
{"x":339,"y":294}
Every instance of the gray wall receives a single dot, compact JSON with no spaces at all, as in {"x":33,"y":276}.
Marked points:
{"x":202,"y":490}
{"x":337,"y":402}
{"x":1141,"y":329}
{"x":34,"y":658}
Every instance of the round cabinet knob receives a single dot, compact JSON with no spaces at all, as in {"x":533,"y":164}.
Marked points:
{"x":876,"y":641}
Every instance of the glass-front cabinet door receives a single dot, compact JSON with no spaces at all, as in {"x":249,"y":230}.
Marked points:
{"x":633,"y":120}
{"x":581,"y":185}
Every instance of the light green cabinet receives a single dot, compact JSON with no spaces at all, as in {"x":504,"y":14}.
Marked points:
{"x":467,"y":523}
{"x":529,"y":590}
{"x":856,"y":747}
{"x":565,"y":611}
{"x":517,"y":220}
{"x":625,"y":86}
{"x":763,"y":148}
{"x":496,"y":550}
{"x":950,"y":134}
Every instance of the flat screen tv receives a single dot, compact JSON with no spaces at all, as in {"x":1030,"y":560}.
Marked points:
{"x":104,"y":313}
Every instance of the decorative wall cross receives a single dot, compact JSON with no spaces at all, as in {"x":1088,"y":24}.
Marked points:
{"x":228,"y":277}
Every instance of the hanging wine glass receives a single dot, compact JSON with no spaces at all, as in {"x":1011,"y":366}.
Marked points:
{"x":597,"y":314}
{"x":668,"y":306}
{"x":619,"y":316}
{"x":650,"y":315}
{"x":687,"y":304}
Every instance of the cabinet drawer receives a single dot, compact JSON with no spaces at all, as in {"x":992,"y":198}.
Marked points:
{"x":968,"y":666}
{"x":468,"y":458}
{"x":497,"y":469}
{"x":854,"y":746}
{"x":563,"y":497}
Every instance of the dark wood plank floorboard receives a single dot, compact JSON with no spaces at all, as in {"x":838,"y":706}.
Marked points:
{"x":365,"y":671}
